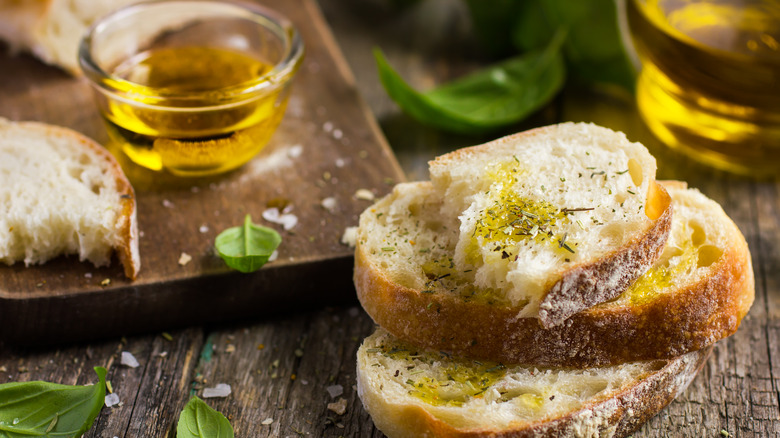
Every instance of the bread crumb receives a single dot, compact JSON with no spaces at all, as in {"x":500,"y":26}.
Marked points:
{"x":365,"y":195}
{"x":329,"y":204}
{"x":184,"y":258}
{"x":267,"y":421}
{"x":230,"y":348}
{"x":105,"y":282}
{"x":339,"y":406}
{"x":349,"y":237}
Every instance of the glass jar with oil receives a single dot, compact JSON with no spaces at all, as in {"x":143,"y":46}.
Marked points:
{"x":710,"y":80}
{"x":193,"y":87}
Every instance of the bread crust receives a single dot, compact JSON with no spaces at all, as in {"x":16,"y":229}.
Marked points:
{"x":667,"y":326}
{"x":127,"y":225}
{"x":616,"y":416}
{"x":585,"y":285}
{"x":606,"y":278}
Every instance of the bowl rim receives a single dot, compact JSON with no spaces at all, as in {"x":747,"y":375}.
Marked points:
{"x":281,"y":72}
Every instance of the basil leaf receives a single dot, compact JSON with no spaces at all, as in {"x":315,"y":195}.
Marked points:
{"x":45,"y":409}
{"x":497,"y":96}
{"x":248,"y":247}
{"x":198,"y":420}
{"x":494,"y":22}
{"x":593,"y":50}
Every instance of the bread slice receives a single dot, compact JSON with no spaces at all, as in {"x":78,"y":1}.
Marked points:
{"x":697,"y":293}
{"x":52,"y":29}
{"x":553,"y":220}
{"x":62,"y":193}
{"x":414,"y":393}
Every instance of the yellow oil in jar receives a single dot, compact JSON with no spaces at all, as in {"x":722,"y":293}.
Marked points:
{"x":710,"y":81}
{"x":188,"y":110}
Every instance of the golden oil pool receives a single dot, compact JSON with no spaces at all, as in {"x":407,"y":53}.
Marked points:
{"x":194,"y":114}
{"x":710,"y":81}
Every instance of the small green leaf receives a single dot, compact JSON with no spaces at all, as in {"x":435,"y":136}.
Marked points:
{"x":497,"y":96}
{"x":248,"y":247}
{"x":198,"y":420}
{"x":45,"y":409}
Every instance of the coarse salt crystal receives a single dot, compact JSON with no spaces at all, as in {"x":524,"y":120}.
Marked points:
{"x":221,"y":390}
{"x":340,"y":162}
{"x":287,"y":221}
{"x":112,"y":400}
{"x":167,"y":204}
{"x":335,"y":390}
{"x":329,"y":204}
{"x":349,"y":237}
{"x":365,"y":195}
{"x":295,"y":151}
{"x":129,"y":360}
{"x":184,"y":258}
{"x":204,"y":229}
{"x":267,"y":421}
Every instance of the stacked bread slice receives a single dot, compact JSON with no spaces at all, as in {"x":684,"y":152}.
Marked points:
{"x":543,"y":284}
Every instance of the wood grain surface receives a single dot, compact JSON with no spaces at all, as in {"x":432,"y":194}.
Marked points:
{"x":736,"y":394}
{"x":340,"y":151}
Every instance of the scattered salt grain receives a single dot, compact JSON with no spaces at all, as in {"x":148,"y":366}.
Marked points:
{"x":129,"y":360}
{"x":194,"y":189}
{"x":112,"y":400}
{"x":267,"y":421}
{"x":337,"y":134}
{"x":274,"y":256}
{"x":329,"y":204}
{"x":184,"y":258}
{"x":295,"y":151}
{"x":204,"y":229}
{"x":327,"y":126}
{"x":167,"y":204}
{"x":365,"y":195}
{"x":88,"y":275}
{"x":339,"y":406}
{"x":221,"y":390}
{"x":340,"y":162}
{"x":335,"y":390}
{"x":349,"y":237}
{"x":286,"y":220}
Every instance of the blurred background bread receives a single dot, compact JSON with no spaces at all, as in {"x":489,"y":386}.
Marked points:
{"x":52,"y":29}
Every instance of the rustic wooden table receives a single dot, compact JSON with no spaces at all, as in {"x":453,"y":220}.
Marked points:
{"x":280,"y":367}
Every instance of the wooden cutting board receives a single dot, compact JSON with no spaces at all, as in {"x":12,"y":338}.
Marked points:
{"x":328,"y":145}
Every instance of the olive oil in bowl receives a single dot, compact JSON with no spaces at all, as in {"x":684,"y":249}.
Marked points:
{"x":193,"y":125}
{"x":191,"y":88}
{"x":710,"y":81}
